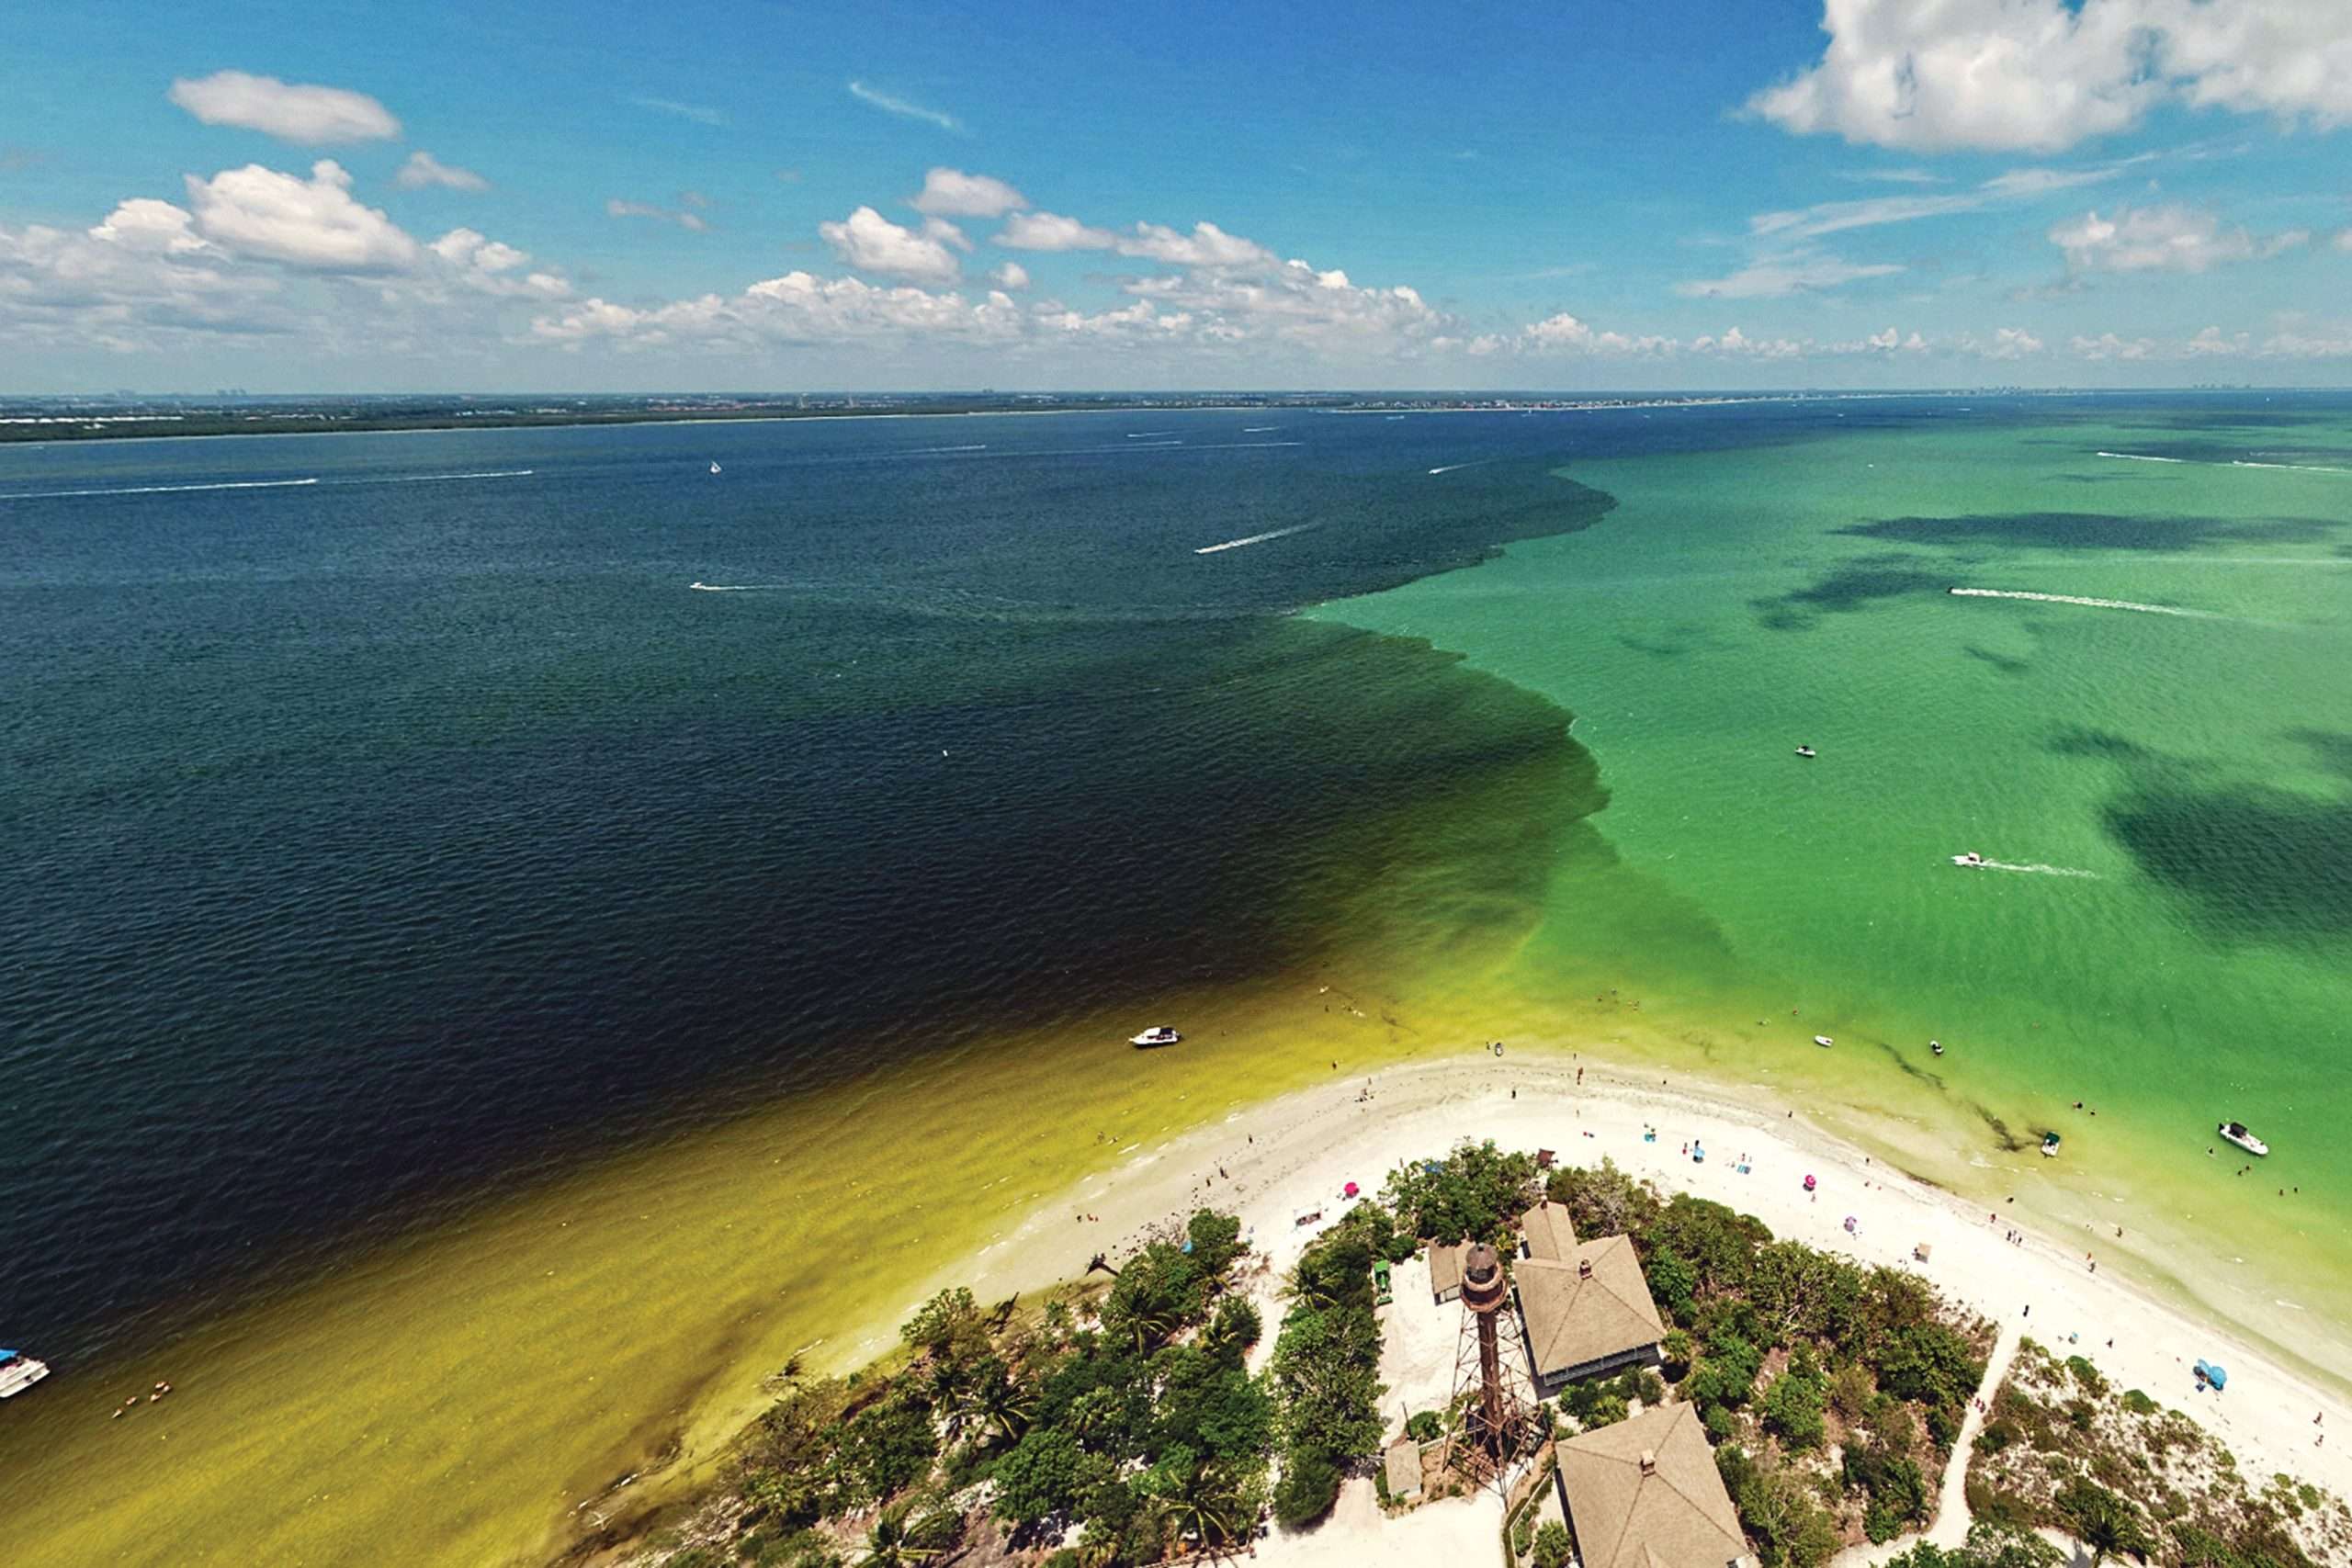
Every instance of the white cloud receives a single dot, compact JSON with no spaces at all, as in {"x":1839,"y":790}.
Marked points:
{"x":1736,"y":343}
{"x":2007,"y":343}
{"x":946,"y":233}
{"x":871,"y":243}
{"x":797,"y":307}
{"x":2213,"y":342}
{"x":1052,"y":231}
{"x":2106,"y":345}
{"x":1870,"y":212}
{"x":309,"y":115}
{"x":1206,"y":246}
{"x":1935,"y":75}
{"x":306,"y":223}
{"x":694,"y":222}
{"x":2169,"y":239}
{"x":143,"y":223}
{"x":905,"y":109}
{"x":424,"y":169}
{"x":1011,"y":276}
{"x":1565,"y":334}
{"x":951,"y":193}
{"x":1775,"y":277}
{"x":2343,"y":240}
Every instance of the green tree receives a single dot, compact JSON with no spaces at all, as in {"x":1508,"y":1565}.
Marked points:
{"x":1793,"y":1407}
{"x":1044,"y":1475}
{"x":2103,"y":1521}
{"x":1309,"y":1485}
{"x":1553,"y":1547}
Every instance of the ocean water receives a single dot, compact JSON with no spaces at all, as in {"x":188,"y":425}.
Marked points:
{"x":401,"y":849}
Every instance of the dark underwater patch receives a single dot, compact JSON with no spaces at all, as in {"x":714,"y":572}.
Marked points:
{"x":2093,"y":531}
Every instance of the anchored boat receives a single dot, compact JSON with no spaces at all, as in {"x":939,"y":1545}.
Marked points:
{"x":1158,"y":1035}
{"x":2237,"y":1133}
{"x":18,"y":1372}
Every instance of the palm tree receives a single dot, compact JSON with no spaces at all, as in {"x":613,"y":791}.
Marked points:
{"x":900,"y":1540}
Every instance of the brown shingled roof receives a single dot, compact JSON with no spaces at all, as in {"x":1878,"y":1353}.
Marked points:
{"x":1445,"y":1265}
{"x":1577,"y":1315}
{"x":1550,"y":1233}
{"x":1671,"y":1512}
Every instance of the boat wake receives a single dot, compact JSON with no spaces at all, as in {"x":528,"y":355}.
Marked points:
{"x":1259,"y":429}
{"x":737,"y":587}
{"x":1451,"y":467}
{"x":1255,"y":539}
{"x":2141,"y":458}
{"x":934,"y":451}
{"x":2079,"y":599}
{"x":433,"y":479}
{"x":2233,"y":463}
{"x":2036,"y":870}
{"x":162,"y":489}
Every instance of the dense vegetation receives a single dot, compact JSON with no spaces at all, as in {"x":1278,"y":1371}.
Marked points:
{"x":1130,"y":1425}
{"x":1821,"y":1382}
{"x":2127,"y":1477}
{"x":1327,"y":1364}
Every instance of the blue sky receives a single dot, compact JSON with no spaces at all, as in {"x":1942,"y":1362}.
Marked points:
{"x":1611,"y":195}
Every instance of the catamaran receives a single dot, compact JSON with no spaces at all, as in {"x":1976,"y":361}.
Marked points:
{"x":18,"y":1372}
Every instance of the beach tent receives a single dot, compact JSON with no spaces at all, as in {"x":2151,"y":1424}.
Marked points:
{"x":2213,"y":1374}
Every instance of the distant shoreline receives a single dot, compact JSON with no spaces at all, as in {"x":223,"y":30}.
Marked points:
{"x":19,"y":429}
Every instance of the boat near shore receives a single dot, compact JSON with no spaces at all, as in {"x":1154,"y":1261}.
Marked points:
{"x":1158,"y":1035}
{"x":18,"y":1372}
{"x":2235,"y":1132}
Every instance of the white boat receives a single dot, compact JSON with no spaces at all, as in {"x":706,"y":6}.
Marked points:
{"x":714,"y":468}
{"x":1806,"y":751}
{"x":1822,"y":1039}
{"x":2235,"y":1132}
{"x":18,"y":1372}
{"x":1971,"y":859}
{"x":1158,"y":1035}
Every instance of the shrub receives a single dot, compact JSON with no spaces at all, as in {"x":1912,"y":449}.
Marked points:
{"x":1425,"y":1426}
{"x":1793,"y":1405}
{"x":2137,"y":1403}
{"x":1475,"y":1191}
{"x":1310,"y":1485}
{"x":1522,"y":1534}
{"x":1553,"y":1547}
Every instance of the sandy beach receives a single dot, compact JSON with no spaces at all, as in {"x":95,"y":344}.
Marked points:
{"x":1294,"y":1156}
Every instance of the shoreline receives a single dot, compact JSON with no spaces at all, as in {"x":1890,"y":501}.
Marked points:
{"x":1295,"y":1152}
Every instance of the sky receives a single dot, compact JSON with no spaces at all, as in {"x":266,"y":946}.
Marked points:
{"x":1632,"y":195}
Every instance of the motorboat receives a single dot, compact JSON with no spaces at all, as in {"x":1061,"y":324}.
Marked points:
{"x":2235,"y":1132}
{"x":1937,"y":1046}
{"x":18,"y":1372}
{"x":1822,"y":1039}
{"x":1158,"y":1035}
{"x":714,"y":468}
{"x":2049,"y":1146}
{"x":1972,"y":860}
{"x":1807,"y":752}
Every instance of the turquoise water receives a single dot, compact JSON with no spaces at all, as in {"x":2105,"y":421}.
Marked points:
{"x":2167,"y":797}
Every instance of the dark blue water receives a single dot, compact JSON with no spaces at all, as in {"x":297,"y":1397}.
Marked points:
{"x":377,"y":840}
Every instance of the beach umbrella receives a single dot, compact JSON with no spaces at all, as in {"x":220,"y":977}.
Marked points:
{"x":1850,"y":1223}
{"x":1808,"y":1183}
{"x":2215,"y":1375}
{"x":1349,"y":1192}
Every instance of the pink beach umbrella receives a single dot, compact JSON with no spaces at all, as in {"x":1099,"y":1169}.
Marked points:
{"x":1349,"y":1192}
{"x":1808,"y":1183}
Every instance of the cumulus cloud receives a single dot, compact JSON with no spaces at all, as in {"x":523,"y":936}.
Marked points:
{"x":311,"y":223}
{"x":424,"y":169}
{"x":951,"y":193}
{"x":1736,"y":344}
{"x":2007,"y":343}
{"x":311,"y":115}
{"x":2106,"y":345}
{"x":1206,"y":246}
{"x":1936,"y":75}
{"x":946,"y":233}
{"x":2168,"y":239}
{"x":1010,"y":276}
{"x":1566,"y":334}
{"x":2214,"y":342}
{"x":1775,"y":277}
{"x":143,"y":223}
{"x":871,"y":243}
{"x":1052,"y":231}
{"x":797,"y":307}
{"x":2343,"y":240}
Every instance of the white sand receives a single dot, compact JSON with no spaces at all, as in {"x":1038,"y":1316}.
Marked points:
{"x":1297,"y":1153}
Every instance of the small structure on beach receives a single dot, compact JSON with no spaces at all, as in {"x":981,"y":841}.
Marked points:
{"x":1646,"y":1494}
{"x":1445,"y":1269}
{"x":1403,"y":1467}
{"x":1588,"y":1311}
